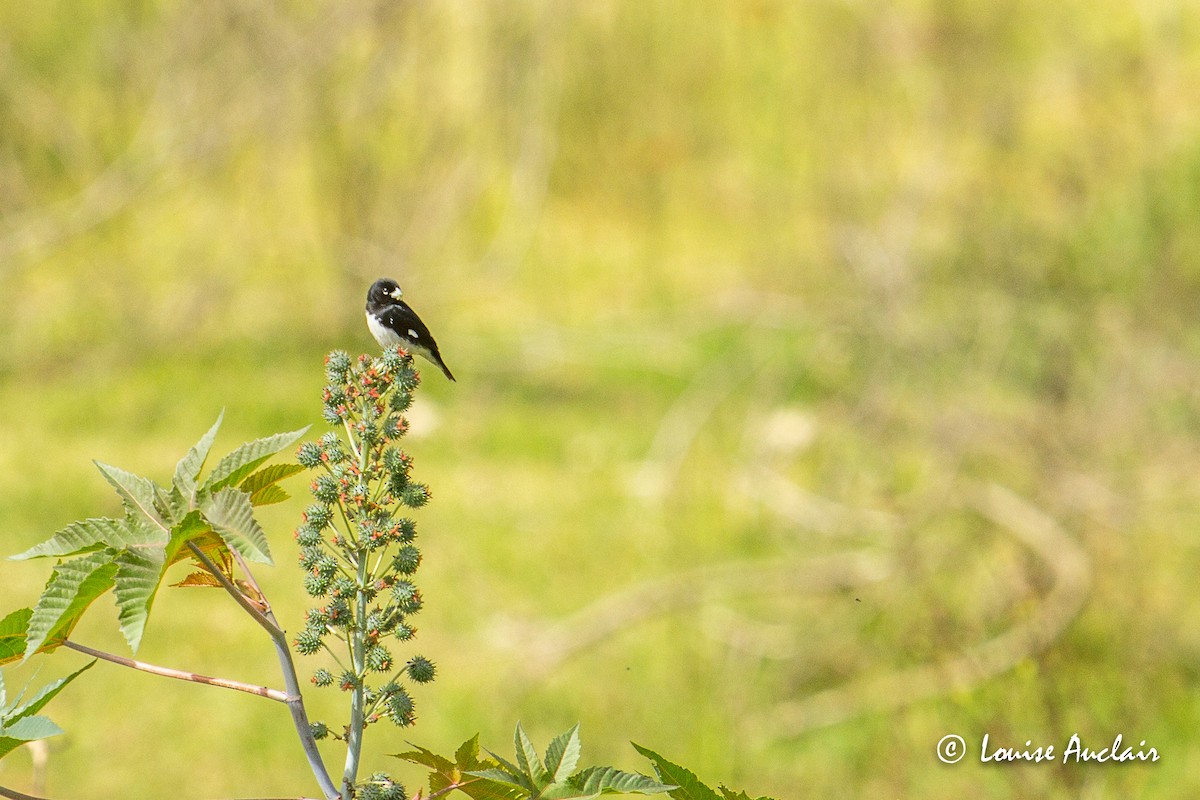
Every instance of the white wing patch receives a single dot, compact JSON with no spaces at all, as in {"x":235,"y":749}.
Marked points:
{"x":416,"y":337}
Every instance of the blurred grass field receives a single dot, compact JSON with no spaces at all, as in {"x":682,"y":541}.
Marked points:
{"x":750,"y":303}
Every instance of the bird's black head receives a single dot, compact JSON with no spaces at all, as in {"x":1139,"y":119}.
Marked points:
{"x":383,"y":292}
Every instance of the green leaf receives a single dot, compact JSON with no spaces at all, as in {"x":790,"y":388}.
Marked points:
{"x":268,"y":476}
{"x":562,"y":755}
{"x":45,"y":695}
{"x":268,"y":495}
{"x":729,"y":795}
{"x":426,"y":758}
{"x":19,"y":725}
{"x":139,"y":572}
{"x":241,"y":462}
{"x":140,"y":495}
{"x":72,"y":587}
{"x":515,"y":776}
{"x":187,"y":471}
{"x":26,"y":730}
{"x":502,"y":776}
{"x":467,"y":754}
{"x":527,"y":757}
{"x":12,"y":638}
{"x":688,"y":786}
{"x":192,"y":528}
{"x":84,"y":537}
{"x":232,"y":517}
{"x":457,"y":774}
{"x":607,"y":780}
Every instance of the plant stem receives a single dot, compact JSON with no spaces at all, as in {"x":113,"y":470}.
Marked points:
{"x":295,"y":702}
{"x":354,"y":739}
{"x":167,"y":672}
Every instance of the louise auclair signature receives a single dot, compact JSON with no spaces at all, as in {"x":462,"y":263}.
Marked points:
{"x":1075,"y":752}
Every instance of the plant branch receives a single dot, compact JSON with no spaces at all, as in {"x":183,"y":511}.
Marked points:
{"x":167,"y":672}
{"x":295,"y":701}
{"x":245,"y":602}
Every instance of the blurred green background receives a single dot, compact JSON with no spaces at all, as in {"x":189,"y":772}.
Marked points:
{"x":827,"y":370}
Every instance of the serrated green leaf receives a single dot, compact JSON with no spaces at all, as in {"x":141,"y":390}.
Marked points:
{"x":608,"y":780}
{"x":268,"y":476}
{"x":19,"y":725}
{"x":140,"y":495}
{"x":467,"y":754}
{"x":84,"y":537}
{"x":562,"y":756}
{"x":457,"y":774}
{"x":269,"y":495}
{"x":139,"y":573}
{"x":192,"y":528}
{"x":527,"y":757}
{"x":482,"y":789}
{"x":729,"y":794}
{"x":515,"y":776}
{"x":562,"y":791}
{"x":426,"y":758}
{"x":31,"y":728}
{"x":232,"y":517}
{"x":26,"y":730}
{"x":241,"y":462}
{"x":688,"y":786}
{"x":187,"y":471}
{"x":72,"y":587}
{"x":12,"y":638}
{"x":502,"y":776}
{"x":46,"y":694}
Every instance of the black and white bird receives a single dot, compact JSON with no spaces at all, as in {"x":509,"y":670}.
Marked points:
{"x":393,"y":322}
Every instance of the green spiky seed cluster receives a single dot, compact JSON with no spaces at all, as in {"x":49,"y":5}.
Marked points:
{"x":357,"y":548}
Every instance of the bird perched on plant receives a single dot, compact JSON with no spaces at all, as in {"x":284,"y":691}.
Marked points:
{"x":393,"y":322}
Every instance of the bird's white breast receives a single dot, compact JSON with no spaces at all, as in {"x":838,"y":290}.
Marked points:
{"x":384,"y":335}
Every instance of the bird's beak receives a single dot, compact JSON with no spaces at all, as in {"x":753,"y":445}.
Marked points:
{"x":396,"y":294}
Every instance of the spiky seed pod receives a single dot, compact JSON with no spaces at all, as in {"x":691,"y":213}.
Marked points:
{"x":378,"y":659}
{"x":307,"y":536}
{"x":380,"y":787}
{"x":307,"y":643}
{"x":310,"y":557}
{"x":415,"y":495}
{"x":322,"y":677}
{"x":319,"y":729}
{"x":337,"y":365}
{"x":348,"y":682}
{"x":343,"y":588}
{"x":400,"y":708}
{"x":315,"y":585}
{"x":420,"y":669}
{"x":325,"y":488}
{"x":309,"y":455}
{"x":326,"y":565}
{"x":406,"y":560}
{"x":316,"y":619}
{"x":392,"y":361}
{"x":403,"y":592}
{"x":339,"y":613}
{"x":401,"y":401}
{"x":318,"y":515}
